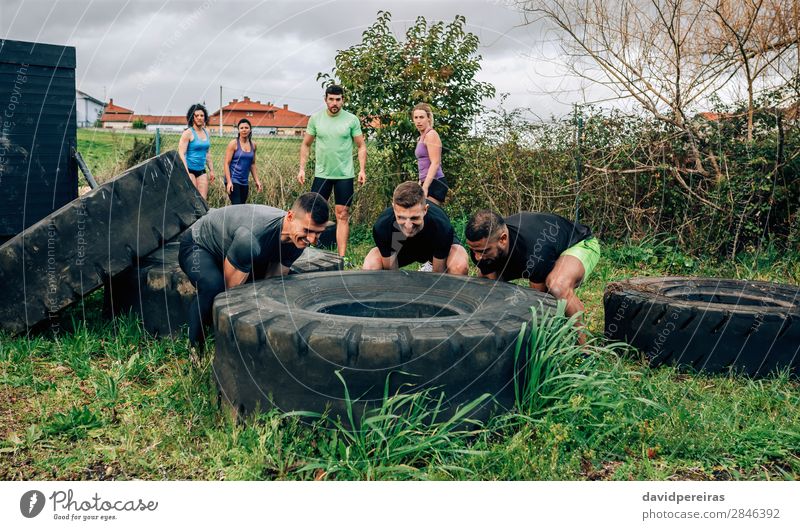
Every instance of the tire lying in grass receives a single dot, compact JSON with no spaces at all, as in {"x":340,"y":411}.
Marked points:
{"x":280,"y":342}
{"x":710,"y":325}
{"x":71,"y":252}
{"x":161,"y":294}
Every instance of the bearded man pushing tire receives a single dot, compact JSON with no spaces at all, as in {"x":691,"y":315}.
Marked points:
{"x":552,"y":253}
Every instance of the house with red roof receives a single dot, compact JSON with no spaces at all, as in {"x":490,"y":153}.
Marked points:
{"x":116,"y":117}
{"x":266,"y":118}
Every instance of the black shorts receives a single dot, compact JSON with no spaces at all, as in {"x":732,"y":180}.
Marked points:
{"x":342,"y":189}
{"x":438,"y":189}
{"x":197,"y":172}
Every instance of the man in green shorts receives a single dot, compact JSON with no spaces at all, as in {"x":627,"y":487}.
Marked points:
{"x":553,"y":254}
{"x":336,"y":131}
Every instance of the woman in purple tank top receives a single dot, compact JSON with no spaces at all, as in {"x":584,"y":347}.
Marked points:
{"x":429,"y":155}
{"x":240,"y":162}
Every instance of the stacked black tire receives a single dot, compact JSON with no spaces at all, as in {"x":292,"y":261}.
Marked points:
{"x":156,"y":290}
{"x":77,"y":248}
{"x":706,"y":324}
{"x":160,"y":293}
{"x":280,"y":342}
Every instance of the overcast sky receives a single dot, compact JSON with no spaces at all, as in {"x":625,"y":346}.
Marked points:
{"x":160,"y":56}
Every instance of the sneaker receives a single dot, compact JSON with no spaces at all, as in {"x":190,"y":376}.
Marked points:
{"x":426,"y":267}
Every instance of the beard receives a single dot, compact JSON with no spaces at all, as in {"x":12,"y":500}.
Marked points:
{"x":488,"y":263}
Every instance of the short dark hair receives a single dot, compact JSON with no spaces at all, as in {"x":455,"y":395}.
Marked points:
{"x":335,"y":90}
{"x":190,"y":113}
{"x":408,"y":194}
{"x":483,"y":224}
{"x":315,"y":204}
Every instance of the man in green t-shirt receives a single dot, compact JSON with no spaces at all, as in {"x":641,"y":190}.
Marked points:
{"x":336,"y":131}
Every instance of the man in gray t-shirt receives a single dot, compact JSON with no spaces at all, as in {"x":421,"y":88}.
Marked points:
{"x":231,"y":245}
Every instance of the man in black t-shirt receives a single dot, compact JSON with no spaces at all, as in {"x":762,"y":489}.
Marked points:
{"x":233,"y":244}
{"x":412,"y":230}
{"x":553,"y":254}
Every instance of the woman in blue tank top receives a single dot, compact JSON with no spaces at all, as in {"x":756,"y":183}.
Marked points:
{"x":193,"y":149}
{"x":240,"y":162}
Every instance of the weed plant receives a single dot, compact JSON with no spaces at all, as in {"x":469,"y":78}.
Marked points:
{"x":559,"y":378}
{"x":405,"y":437}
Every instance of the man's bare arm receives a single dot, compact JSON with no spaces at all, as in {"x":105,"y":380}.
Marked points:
{"x":362,"y":158}
{"x":232,"y":275}
{"x":390,"y":263}
{"x":305,"y":148}
{"x":539,"y":286}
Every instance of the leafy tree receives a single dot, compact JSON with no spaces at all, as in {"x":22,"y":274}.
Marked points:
{"x":384,"y":77}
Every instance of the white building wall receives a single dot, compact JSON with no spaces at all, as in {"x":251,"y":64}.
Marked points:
{"x":262,"y":131}
{"x":87,"y":112}
{"x":117,"y":125}
{"x":166,"y":128}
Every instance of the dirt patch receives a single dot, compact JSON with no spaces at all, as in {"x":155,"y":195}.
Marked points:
{"x":101,"y":471}
{"x":14,"y":408}
{"x":691,"y":473}
{"x":604,"y":472}
{"x":16,"y":466}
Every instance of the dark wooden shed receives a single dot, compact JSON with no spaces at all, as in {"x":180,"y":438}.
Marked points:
{"x":37,"y":132}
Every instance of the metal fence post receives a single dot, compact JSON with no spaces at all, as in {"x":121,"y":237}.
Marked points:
{"x":578,"y":163}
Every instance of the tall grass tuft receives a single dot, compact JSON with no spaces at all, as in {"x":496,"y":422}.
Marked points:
{"x":407,"y":435}
{"x":558,"y":379}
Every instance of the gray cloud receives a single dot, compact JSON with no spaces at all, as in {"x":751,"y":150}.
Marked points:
{"x":159,"y":56}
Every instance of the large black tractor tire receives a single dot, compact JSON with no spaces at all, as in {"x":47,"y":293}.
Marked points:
{"x":315,"y":260}
{"x":707,"y":324}
{"x":71,"y":252}
{"x":161,"y":294}
{"x":279,"y":343}
{"x":156,"y":290}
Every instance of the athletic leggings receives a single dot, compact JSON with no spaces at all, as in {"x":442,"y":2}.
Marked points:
{"x":239,"y":194}
{"x":205,"y":273}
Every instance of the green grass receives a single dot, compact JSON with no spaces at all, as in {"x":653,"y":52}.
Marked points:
{"x":407,"y":436}
{"x":103,"y":400}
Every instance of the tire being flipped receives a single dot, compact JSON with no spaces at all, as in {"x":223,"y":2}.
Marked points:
{"x":279,"y":342}
{"x":707,"y":324}
{"x":71,"y":252}
{"x":160,"y":293}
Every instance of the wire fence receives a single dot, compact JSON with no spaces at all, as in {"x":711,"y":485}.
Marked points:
{"x":277,"y":163}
